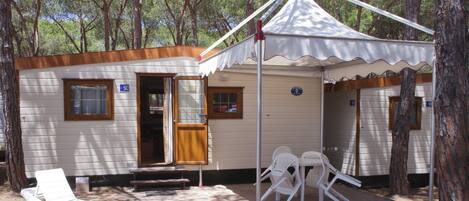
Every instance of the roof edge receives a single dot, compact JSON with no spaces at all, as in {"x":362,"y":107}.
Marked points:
{"x":24,"y":63}
{"x":378,"y":82}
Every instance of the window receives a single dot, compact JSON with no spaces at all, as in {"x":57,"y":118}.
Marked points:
{"x":191,"y":101}
{"x":88,"y":100}
{"x":415,"y":116}
{"x":225,"y":102}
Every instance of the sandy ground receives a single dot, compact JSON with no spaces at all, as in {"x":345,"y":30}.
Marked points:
{"x":418,"y":194}
{"x":248,"y":191}
{"x":209,"y":193}
{"x":5,"y":194}
{"x":221,"y":193}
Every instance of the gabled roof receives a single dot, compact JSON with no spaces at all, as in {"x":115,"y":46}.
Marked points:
{"x":106,"y":57}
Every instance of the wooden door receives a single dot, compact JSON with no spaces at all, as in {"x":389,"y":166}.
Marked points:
{"x":191,"y":128}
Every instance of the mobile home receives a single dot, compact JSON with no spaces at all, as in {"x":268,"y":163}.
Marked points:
{"x":358,"y":123}
{"x":104,"y":113}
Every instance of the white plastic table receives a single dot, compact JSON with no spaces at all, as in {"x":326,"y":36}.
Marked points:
{"x":308,"y":161}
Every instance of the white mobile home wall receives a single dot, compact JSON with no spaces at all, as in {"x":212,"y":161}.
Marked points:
{"x":287,"y":120}
{"x":110,"y":147}
{"x":340,"y":130}
{"x":375,"y":137}
{"x":85,"y":147}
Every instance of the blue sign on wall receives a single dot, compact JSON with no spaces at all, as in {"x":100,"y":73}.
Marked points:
{"x":296,"y":91}
{"x":124,"y":88}
{"x":428,"y":103}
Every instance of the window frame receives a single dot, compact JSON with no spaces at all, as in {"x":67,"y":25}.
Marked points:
{"x":239,"y":99}
{"x":418,"y":112}
{"x":69,"y":116}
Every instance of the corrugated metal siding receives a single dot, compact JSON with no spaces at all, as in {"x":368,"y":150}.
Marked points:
{"x":85,"y":147}
{"x":287,"y":120}
{"x":376,"y":139}
{"x":339,"y":130}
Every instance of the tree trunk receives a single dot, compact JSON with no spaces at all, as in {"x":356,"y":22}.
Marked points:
{"x":412,"y":10}
{"x":359,"y":18}
{"x":195,"y":28}
{"x":398,"y":183}
{"x":82,"y":33}
{"x":85,"y":42}
{"x":249,"y":10}
{"x":358,"y":22}
{"x":137,"y":12}
{"x":337,"y":13}
{"x":193,"y":8}
{"x":107,"y":25}
{"x":117,"y":25}
{"x":179,"y":22}
{"x":11,"y":111}
{"x":452,"y":100}
{"x":105,"y":7}
{"x":35,"y":34}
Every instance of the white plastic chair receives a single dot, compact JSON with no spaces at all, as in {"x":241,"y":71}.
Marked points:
{"x":313,"y":179}
{"x":326,"y":187}
{"x":52,"y":185}
{"x":282,"y":183}
{"x":277,"y":151}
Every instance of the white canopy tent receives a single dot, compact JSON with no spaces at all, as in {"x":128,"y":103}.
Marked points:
{"x":303,"y":29}
{"x":304,"y":35}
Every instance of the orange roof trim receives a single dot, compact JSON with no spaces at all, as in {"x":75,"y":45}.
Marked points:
{"x":107,"y":57}
{"x":378,"y":82}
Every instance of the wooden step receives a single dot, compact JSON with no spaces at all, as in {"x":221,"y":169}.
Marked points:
{"x":140,"y":184}
{"x":151,"y":170}
{"x":159,"y":182}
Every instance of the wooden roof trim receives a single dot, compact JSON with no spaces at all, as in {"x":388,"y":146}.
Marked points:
{"x":351,"y":85}
{"x":106,"y":57}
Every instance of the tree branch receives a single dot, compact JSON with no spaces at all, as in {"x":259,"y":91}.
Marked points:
{"x":67,"y":34}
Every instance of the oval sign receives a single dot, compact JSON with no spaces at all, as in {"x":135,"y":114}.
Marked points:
{"x":297,"y":91}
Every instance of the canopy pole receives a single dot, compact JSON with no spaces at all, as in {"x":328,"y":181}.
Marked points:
{"x":322,"y":110}
{"x":432,"y":141}
{"x":259,"y":44}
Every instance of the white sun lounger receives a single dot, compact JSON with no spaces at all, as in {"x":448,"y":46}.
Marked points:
{"x":52,"y":185}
